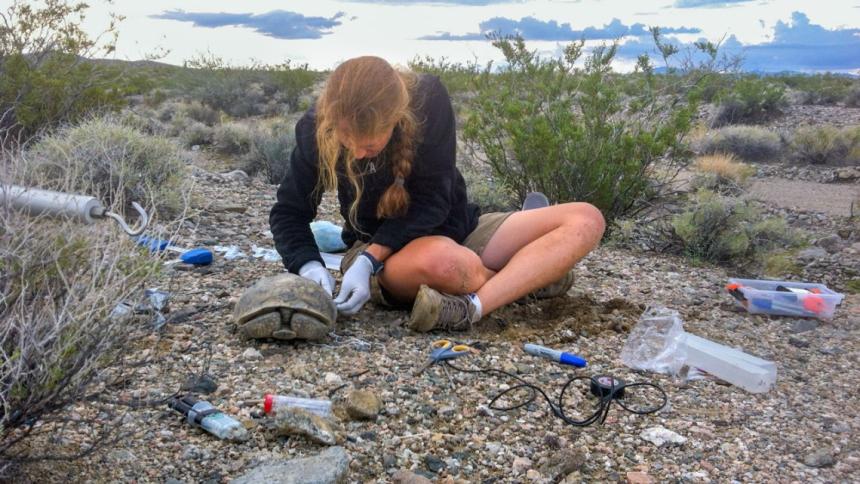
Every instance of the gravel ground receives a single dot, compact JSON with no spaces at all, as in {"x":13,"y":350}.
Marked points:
{"x":806,"y":195}
{"x":437,"y":425}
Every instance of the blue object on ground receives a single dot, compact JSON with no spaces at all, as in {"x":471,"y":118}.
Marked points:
{"x":153,"y":244}
{"x":197,"y":257}
{"x":328,"y":236}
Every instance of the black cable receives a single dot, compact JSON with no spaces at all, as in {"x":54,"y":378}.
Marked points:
{"x":603,"y":405}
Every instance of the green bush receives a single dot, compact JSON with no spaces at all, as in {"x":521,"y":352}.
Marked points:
{"x":243,"y":91}
{"x":726,"y":230}
{"x":852,"y":99}
{"x":113,"y":162}
{"x":750,"y":100}
{"x":196,"y":133}
{"x":200,"y":113}
{"x":824,"y":89}
{"x":269,"y":151}
{"x":820,"y":145}
{"x":546,"y":125}
{"x":457,"y":77}
{"x":45,"y":76}
{"x":232,"y":139}
{"x":749,"y":143}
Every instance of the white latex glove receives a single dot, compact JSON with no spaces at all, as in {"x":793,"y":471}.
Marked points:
{"x":317,"y":272}
{"x":355,"y":288}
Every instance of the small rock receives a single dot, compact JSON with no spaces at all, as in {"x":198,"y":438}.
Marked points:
{"x":533,"y":475}
{"x":847,"y":173}
{"x":493,"y":447}
{"x":799,"y":343}
{"x":295,"y":421}
{"x":252,"y":354}
{"x":811,"y":254}
{"x":433,"y":463}
{"x":204,"y":384}
{"x":831,"y":351}
{"x":661,"y":436}
{"x":238,"y":176}
{"x":389,"y":461}
{"x":332,"y":379}
{"x":227,"y":208}
{"x":329,"y":466}
{"x":637,"y":477}
{"x":363,"y":405}
{"x":838,"y":427}
{"x":832,"y":244}
{"x":406,"y":477}
{"x":820,"y":458}
{"x":521,"y":464}
{"x":803,"y":325}
{"x":563,"y":463}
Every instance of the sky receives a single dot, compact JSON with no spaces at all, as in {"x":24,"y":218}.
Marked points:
{"x":772,"y":35}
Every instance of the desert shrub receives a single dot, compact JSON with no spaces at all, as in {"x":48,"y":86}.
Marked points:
{"x":200,"y":113}
{"x":727,"y":230}
{"x":750,"y":143}
{"x":483,"y":190}
{"x":547,"y":125}
{"x":232,"y":138}
{"x":721,"y":173}
{"x":116,"y":163}
{"x":60,"y":336}
{"x":824,"y":89}
{"x":196,"y":133}
{"x":45,"y":76}
{"x":242,"y":91}
{"x":142,"y":120}
{"x":269,"y":151}
{"x":750,"y":100}
{"x":457,"y":77}
{"x":852,"y":98}
{"x":821,"y":144}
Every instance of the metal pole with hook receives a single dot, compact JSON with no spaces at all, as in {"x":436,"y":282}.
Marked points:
{"x":87,"y":209}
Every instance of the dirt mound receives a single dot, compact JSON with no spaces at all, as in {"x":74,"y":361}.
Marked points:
{"x":572,"y":316}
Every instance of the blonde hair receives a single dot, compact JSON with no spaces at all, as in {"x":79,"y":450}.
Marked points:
{"x":368,"y":97}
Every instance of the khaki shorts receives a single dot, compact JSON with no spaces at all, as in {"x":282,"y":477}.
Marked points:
{"x":477,"y":240}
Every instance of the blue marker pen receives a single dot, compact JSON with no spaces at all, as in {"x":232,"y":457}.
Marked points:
{"x":559,"y":356}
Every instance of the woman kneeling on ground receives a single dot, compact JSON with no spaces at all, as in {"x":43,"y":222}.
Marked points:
{"x":385,"y":141}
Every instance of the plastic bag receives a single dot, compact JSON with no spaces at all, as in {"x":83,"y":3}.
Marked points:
{"x":268,"y":255}
{"x":327,"y":236}
{"x":656,"y":343}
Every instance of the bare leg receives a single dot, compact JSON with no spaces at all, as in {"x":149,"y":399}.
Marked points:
{"x":436,"y":261}
{"x":534,"y":248}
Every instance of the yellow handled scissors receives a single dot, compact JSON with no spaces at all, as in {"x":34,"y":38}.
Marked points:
{"x":444,"y":349}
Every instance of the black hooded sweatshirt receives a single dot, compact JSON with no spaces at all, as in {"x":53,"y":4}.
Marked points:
{"x":437,"y":191}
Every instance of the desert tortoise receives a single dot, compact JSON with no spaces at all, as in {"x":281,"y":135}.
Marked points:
{"x":285,"y":306}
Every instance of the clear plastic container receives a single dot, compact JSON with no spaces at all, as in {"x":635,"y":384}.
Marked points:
{"x":272,"y":404}
{"x":785,"y":298}
{"x":749,"y":372}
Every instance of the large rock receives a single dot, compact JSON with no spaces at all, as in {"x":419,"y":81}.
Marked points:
{"x":328,"y":467}
{"x":295,"y":421}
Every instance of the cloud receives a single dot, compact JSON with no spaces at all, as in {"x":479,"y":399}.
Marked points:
{"x":796,"y":46}
{"x":438,"y":2}
{"x":277,"y":23}
{"x":706,"y":3}
{"x":531,"y":28}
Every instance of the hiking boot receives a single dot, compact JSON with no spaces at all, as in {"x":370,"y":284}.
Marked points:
{"x":557,"y":288}
{"x":535,"y":200}
{"x":436,"y":310}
